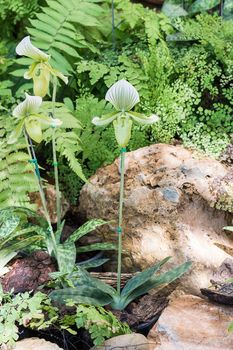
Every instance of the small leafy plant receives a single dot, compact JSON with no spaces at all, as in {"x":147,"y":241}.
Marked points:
{"x":101,"y":324}
{"x":21,"y":310}
{"x":22,"y":228}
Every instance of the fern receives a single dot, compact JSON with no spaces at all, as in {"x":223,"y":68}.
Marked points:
{"x":62,"y":28}
{"x":67,"y":140}
{"x":16,"y":175}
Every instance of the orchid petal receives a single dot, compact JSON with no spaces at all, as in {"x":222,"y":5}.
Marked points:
{"x":16,"y":133}
{"x":25,"y":48}
{"x":30,"y":105}
{"x":29,"y":74}
{"x":122,"y":128}
{"x":54,"y":122}
{"x":58,"y":74}
{"x":105,"y":120}
{"x":142,"y":119}
{"x":122,"y":95}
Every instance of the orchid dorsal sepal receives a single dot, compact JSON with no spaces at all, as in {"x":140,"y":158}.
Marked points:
{"x":122,"y":95}
{"x":25,"y":48}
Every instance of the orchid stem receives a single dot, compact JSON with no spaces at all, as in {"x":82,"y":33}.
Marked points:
{"x":55,"y":163}
{"x":120,"y":231}
{"x":33,"y":159}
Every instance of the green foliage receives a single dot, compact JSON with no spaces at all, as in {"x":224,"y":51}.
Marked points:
{"x":64,"y":28}
{"x":16,"y":175}
{"x":88,"y":290}
{"x":23,"y":309}
{"x":177,"y":8}
{"x":64,"y":251}
{"x":230,"y":328}
{"x":101,"y":324}
{"x":13,"y":12}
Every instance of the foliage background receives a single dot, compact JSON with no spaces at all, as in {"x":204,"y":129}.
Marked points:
{"x":182,"y":66}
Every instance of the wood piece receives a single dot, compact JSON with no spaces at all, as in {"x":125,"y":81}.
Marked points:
{"x":111,"y":277}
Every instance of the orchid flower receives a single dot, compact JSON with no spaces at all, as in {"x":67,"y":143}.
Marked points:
{"x":27,"y":114}
{"x":40,"y":70}
{"x":123,"y":96}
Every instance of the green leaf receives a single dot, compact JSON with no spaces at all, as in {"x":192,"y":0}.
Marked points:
{"x":66,"y":256}
{"x":8,"y":226}
{"x":157,"y":281}
{"x":230,"y":328}
{"x":86,"y":228}
{"x":91,"y":264}
{"x":203,"y":5}
{"x":96,"y":246}
{"x":82,"y":295}
{"x":142,"y":278}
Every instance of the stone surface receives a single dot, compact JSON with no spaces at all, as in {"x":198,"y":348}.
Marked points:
{"x":50,"y":194}
{"x":134,"y":341}
{"x":28,"y":273}
{"x":167,"y":211}
{"x":191,"y":323}
{"x":36,"y":344}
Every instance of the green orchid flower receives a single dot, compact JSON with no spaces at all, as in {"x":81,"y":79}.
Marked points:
{"x":40,"y":70}
{"x":27,"y":114}
{"x":123,"y":96}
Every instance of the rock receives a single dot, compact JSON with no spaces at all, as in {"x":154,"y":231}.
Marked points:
{"x":192,"y":323}
{"x":134,"y":341}
{"x":50,"y":194}
{"x":28,"y":273}
{"x":36,"y":344}
{"x":167,"y":211}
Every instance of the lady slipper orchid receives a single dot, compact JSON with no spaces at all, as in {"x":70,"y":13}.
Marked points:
{"x":123,"y":96}
{"x":40,"y":70}
{"x":29,"y":118}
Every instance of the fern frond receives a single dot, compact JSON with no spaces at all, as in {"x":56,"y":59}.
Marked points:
{"x":59,"y":27}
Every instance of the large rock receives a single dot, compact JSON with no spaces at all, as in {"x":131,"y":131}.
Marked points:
{"x":167,"y":211}
{"x":134,"y":341}
{"x":50,"y":194}
{"x":192,"y":323}
{"x":36,"y":344}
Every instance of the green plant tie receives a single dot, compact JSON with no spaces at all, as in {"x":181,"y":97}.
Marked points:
{"x":34,"y":161}
{"x":123,"y":150}
{"x":55,"y":163}
{"x":119,"y":230}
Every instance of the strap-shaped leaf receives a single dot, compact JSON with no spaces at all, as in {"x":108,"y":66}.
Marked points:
{"x":84,"y":278}
{"x":91,"y":264}
{"x":8,"y":226}
{"x":142,"y":278}
{"x":96,"y":246}
{"x":81,"y":295}
{"x":66,"y":256}
{"x":157,"y":281}
{"x":59,"y":232}
{"x":89,"y":226}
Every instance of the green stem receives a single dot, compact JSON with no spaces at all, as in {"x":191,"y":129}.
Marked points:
{"x":55,"y":163}
{"x":33,"y":158}
{"x":120,"y":231}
